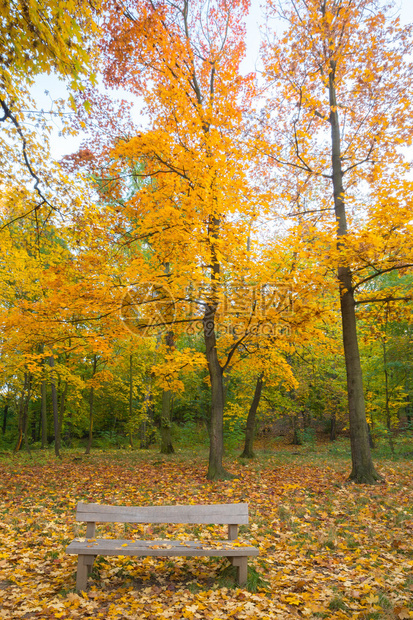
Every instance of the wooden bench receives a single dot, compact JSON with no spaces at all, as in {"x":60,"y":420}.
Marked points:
{"x":232,"y":515}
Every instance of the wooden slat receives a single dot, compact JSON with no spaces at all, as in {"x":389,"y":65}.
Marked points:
{"x":232,"y":532}
{"x":207,"y":514}
{"x":160,"y":548}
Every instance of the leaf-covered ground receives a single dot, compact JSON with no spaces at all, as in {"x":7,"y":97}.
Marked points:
{"x":328,"y":549}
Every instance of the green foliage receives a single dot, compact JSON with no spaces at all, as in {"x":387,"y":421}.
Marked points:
{"x":227,"y":578}
{"x":337,"y":604}
{"x":308,"y":436}
{"x":235,"y":417}
{"x":190,"y":435}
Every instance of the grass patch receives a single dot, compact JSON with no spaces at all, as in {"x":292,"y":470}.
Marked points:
{"x":337,"y":604}
{"x":227,"y":578}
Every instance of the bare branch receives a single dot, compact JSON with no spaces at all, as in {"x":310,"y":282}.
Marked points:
{"x":379,"y":272}
{"x":9,"y":115}
{"x":373,"y":300}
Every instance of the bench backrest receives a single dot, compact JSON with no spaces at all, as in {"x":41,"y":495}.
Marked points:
{"x":236,"y":514}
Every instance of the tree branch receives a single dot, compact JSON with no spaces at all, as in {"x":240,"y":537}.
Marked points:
{"x":374,"y":300}
{"x":380,"y":272}
{"x":9,"y":115}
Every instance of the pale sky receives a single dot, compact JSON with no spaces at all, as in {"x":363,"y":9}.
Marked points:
{"x":62,"y":146}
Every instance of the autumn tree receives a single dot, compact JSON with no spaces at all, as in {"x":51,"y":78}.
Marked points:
{"x":36,"y":37}
{"x":340,"y":108}
{"x":49,"y":36}
{"x":183,"y":59}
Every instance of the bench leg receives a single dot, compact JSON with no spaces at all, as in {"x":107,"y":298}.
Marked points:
{"x":241,"y":564}
{"x":90,"y":560}
{"x":82,"y":573}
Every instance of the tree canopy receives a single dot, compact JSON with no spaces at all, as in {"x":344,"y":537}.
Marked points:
{"x":236,"y":253}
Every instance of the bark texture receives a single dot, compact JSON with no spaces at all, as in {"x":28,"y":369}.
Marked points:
{"x":167,"y":400}
{"x":363,"y":470}
{"x":216,"y":469}
{"x":248,"y":452}
{"x":166,"y":438}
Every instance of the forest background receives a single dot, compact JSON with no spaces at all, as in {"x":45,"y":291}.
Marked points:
{"x":190,"y":278}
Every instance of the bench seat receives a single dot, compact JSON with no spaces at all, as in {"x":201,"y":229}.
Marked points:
{"x":159,"y":548}
{"x":89,"y":547}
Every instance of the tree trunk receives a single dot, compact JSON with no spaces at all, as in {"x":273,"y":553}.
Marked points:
{"x":363,"y":470}
{"x":43,"y":406}
{"x":144,"y":441}
{"x":62,"y":408}
{"x":26,"y":414}
{"x":297,"y":441}
{"x":166,"y":439}
{"x":333,"y":427}
{"x":216,"y":470}
{"x":130,"y":399}
{"x":387,"y":395}
{"x":44,"y":414}
{"x":37,"y":425}
{"x":68,"y":430}
{"x":167,"y":399}
{"x":55,"y":408}
{"x":20,"y":418}
{"x":248,"y":452}
{"x":371,"y":440}
{"x":91,"y":403}
{"x":5,"y":411}
{"x":386,"y":386}
{"x":143,"y":444}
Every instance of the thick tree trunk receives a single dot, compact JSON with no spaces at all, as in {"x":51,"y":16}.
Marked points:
{"x":167,"y":399}
{"x":248,"y":452}
{"x":91,"y":404}
{"x":216,"y":470}
{"x":55,"y":408}
{"x":363,"y":470}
